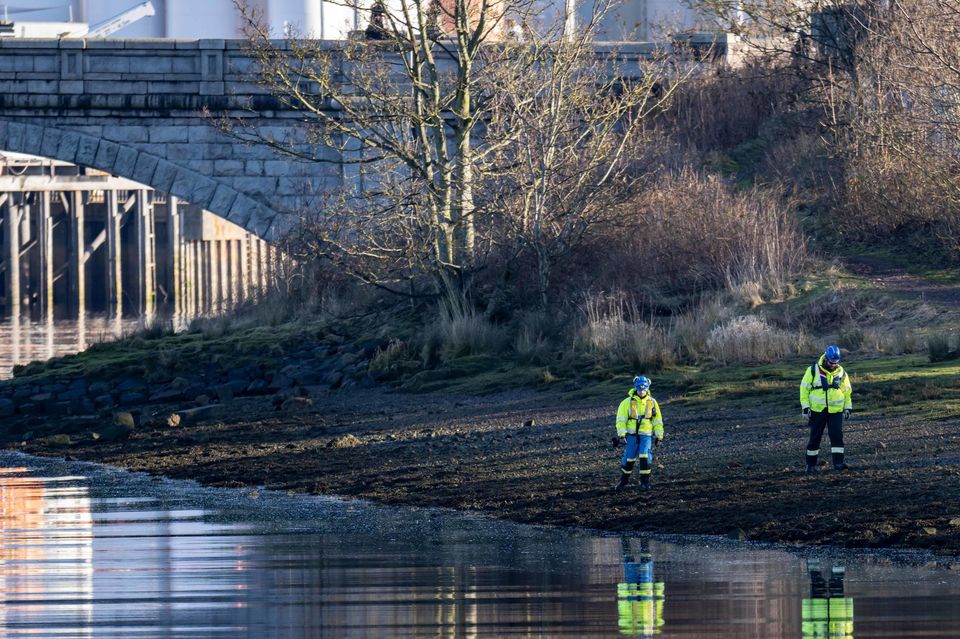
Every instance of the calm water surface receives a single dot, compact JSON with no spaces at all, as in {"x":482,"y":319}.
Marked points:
{"x":92,"y":552}
{"x":23,"y":341}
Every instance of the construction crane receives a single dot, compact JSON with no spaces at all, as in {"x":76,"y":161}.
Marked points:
{"x":128,"y":17}
{"x":105,"y":29}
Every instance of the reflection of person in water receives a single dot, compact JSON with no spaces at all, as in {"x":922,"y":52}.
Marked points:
{"x":827,"y":614}
{"x":639,"y":598}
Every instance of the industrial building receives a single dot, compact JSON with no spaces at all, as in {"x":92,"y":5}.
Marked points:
{"x":631,"y":20}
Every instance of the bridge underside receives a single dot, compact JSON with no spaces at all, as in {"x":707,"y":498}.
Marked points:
{"x":75,"y":241}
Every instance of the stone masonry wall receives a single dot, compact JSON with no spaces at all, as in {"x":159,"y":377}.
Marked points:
{"x":135,"y":109}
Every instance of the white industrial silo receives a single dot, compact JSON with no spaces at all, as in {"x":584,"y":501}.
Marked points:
{"x":311,"y":18}
{"x":195,"y":19}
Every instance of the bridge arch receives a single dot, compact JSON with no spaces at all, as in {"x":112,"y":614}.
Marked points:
{"x":126,"y":161}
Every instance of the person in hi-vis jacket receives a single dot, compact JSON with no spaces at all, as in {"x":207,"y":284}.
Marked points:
{"x":640,"y":597}
{"x":827,"y":614}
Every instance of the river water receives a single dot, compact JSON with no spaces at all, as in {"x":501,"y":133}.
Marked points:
{"x":23,"y":341}
{"x":87,"y":552}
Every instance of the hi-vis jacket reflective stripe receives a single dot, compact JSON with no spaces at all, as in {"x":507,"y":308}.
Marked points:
{"x":644,"y":410}
{"x":834,"y":400}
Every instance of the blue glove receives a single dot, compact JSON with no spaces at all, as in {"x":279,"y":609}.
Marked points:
{"x":846,"y":413}
{"x":805,"y":412}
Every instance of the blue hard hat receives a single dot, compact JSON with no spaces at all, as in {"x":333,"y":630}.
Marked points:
{"x":641,"y":383}
{"x":832,"y":353}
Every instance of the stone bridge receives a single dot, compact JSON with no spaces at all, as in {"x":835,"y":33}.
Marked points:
{"x":135,"y":109}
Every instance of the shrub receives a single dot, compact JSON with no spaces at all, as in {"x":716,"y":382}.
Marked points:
{"x":846,"y":310}
{"x":689,"y":331}
{"x":851,"y":337}
{"x":941,"y":347}
{"x":614,"y":333}
{"x":536,"y":334}
{"x":749,"y":339}
{"x":531,"y":348}
{"x":463,"y":333}
{"x":393,"y":361}
{"x":891,"y":342}
{"x":710,"y":236}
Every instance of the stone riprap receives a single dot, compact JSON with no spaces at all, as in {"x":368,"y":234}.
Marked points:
{"x":57,"y":403}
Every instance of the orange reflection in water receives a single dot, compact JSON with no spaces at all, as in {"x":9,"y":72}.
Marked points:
{"x":46,"y":550}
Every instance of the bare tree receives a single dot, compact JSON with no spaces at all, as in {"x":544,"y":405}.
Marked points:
{"x":467,"y":123}
{"x":580,"y":136}
{"x":403,"y":106}
{"x":902,"y":143}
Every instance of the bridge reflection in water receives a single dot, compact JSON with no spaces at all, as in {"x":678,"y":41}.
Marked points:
{"x":46,"y":551}
{"x":117,"y":555}
{"x":23,"y":340}
{"x":75,"y":241}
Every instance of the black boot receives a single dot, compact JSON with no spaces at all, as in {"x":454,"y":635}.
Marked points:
{"x":645,"y":482}
{"x":838,"y":463}
{"x":624,"y":480}
{"x":811,"y":470}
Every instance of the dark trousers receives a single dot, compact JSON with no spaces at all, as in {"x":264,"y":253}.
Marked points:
{"x":833,"y":424}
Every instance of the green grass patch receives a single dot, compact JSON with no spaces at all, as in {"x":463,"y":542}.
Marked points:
{"x":161,"y":356}
{"x":894,"y":384}
{"x":927,"y":265}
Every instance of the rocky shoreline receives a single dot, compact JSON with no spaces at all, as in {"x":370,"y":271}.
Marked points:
{"x":69,"y":406}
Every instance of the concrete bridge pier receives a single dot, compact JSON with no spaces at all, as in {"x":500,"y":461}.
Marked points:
{"x":114,"y":224}
{"x":11,"y":253}
{"x":76,"y":216}
{"x":73,"y":245}
{"x":146,"y":251}
{"x":46,"y":251}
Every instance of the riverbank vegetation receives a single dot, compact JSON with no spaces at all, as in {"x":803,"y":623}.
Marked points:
{"x":743,"y":212}
{"x":736,"y":214}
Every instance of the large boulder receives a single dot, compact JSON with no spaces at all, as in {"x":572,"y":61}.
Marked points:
{"x":98,"y":388}
{"x":125,"y":418}
{"x":131,"y":384}
{"x":132,"y":397}
{"x":224,"y":392}
{"x":168,"y":395}
{"x":114,"y":433}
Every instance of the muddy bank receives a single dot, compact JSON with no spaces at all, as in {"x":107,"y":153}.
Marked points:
{"x":538,"y":458}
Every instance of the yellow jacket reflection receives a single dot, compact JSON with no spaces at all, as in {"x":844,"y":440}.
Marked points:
{"x":640,"y":598}
{"x":827,"y":614}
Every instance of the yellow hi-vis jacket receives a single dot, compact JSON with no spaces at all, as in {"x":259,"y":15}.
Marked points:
{"x":823,"y":617}
{"x":639,"y":416}
{"x":835,"y":398}
{"x":640,"y":608}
